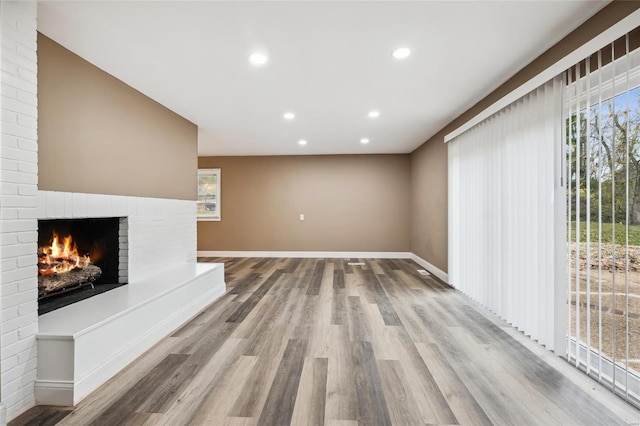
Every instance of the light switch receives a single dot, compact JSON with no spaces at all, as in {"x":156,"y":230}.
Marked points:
{"x":301,"y":217}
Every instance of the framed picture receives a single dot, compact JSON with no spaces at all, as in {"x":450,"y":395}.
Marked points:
{"x":208,"y":194}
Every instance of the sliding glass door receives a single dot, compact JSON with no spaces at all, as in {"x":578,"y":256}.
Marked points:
{"x":602,"y":158}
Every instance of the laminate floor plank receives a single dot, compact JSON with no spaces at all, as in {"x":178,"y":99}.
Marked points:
{"x":278,"y":408}
{"x":402,"y":405}
{"x":122,"y":408}
{"x":41,"y":416}
{"x":307,"y":341}
{"x":312,"y":392}
{"x":216,"y":407}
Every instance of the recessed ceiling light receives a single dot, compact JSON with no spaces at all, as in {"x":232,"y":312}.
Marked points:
{"x":374,"y":114}
{"x":258,"y":59}
{"x":289,"y":116}
{"x":302,"y":142}
{"x":401,"y":53}
{"x":364,"y":140}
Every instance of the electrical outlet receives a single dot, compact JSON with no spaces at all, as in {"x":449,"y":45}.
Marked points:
{"x":301,"y":217}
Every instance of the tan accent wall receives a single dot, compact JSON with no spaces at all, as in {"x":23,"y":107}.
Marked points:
{"x":350,"y":203}
{"x":429,"y":161}
{"x":98,"y":135}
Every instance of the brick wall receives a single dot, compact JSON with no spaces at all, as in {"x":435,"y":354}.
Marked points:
{"x":18,"y":205}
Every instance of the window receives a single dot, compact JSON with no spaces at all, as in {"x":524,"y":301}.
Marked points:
{"x":208,"y":194}
{"x":602,"y":122}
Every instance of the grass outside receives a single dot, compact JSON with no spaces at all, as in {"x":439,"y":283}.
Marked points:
{"x":607,"y":233}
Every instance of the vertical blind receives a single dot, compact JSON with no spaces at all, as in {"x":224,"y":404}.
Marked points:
{"x":504,"y":181}
{"x":602,"y":148}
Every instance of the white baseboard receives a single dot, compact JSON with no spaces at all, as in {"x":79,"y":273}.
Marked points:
{"x":327,"y":254}
{"x":334,"y":254}
{"x":431,"y":268}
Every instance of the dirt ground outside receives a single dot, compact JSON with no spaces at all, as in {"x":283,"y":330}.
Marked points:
{"x":598,"y":284}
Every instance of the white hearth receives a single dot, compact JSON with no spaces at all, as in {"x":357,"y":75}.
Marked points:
{"x":82,"y":345}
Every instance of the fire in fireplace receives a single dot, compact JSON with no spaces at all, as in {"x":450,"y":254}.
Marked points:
{"x":79,"y":258}
{"x":61,"y":267}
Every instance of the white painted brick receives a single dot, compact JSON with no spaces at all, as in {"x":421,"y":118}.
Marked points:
{"x":9,"y":363}
{"x":10,"y":91}
{"x":29,"y":54}
{"x":28,"y":167}
{"x":28,"y":283}
{"x":18,"y":177}
{"x":42,"y":205}
{"x":8,"y":116}
{"x":19,"y":154}
{"x":8,"y":239}
{"x":10,"y":53}
{"x":79,"y":205}
{"x":20,"y":84}
{"x":29,"y":190}
{"x":28,"y":330}
{"x":27,"y":145}
{"x":9,"y":264}
{"x":55,"y":206}
{"x":9,"y":141}
{"x":9,"y":45}
{"x":17,"y":225}
{"x":29,"y":353}
{"x":26,"y":28}
{"x":24,"y":120}
{"x":9,"y":338}
{"x":9,"y":189}
{"x":19,"y":347}
{"x":28,"y":307}
{"x":14,"y":325}
{"x":7,"y":290}
{"x":19,"y":274}
{"x":9,"y":165}
{"x":9,"y":67}
{"x":19,"y":201}
{"x":18,"y":204}
{"x":19,"y":107}
{"x":28,"y":237}
{"x":68,"y":204}
{"x":28,"y":213}
{"x":16,"y":372}
{"x":16,"y":250}
{"x":22,"y":395}
{"x":26,"y":97}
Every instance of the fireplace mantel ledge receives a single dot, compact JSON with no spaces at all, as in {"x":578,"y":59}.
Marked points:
{"x":82,"y":345}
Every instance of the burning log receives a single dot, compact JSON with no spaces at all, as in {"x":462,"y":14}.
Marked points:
{"x":61,"y":266}
{"x":74,"y":278}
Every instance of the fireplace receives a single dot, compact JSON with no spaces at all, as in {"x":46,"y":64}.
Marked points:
{"x":79,"y":258}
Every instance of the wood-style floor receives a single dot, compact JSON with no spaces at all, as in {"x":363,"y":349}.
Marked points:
{"x":320,"y":342}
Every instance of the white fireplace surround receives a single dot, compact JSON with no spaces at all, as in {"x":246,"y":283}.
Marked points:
{"x":161,"y":232}
{"x":82,"y":345}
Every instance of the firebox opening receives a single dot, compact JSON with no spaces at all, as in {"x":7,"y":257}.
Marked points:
{"x":78,"y":259}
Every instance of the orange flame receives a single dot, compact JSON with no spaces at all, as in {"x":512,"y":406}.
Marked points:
{"x":60,"y":258}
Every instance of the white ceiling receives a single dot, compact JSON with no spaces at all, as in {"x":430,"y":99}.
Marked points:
{"x":330,"y":63}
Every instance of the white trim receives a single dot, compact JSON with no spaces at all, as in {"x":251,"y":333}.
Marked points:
{"x":3,"y":414}
{"x":613,"y":33}
{"x":330,"y":254}
{"x":430,"y":267}
{"x":334,"y":254}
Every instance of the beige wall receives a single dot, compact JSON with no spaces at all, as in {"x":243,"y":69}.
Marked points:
{"x":98,"y":135}
{"x":350,"y":203}
{"x":429,"y":161}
